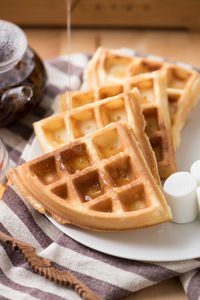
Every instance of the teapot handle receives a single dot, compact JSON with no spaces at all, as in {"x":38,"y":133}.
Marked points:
{"x":12,"y":103}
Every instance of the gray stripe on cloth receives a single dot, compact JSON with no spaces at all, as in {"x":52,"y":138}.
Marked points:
{"x":20,"y":161}
{"x":150,"y":271}
{"x":38,"y":294}
{"x":196,"y":69}
{"x":53,"y":90}
{"x":181,"y":266}
{"x":106,"y":287}
{"x":28,"y":278}
{"x":103,"y":289}
{"x":46,"y":226}
{"x":14,"y":294}
{"x":17,"y":259}
{"x":193,"y":289}
{"x":16,"y":204}
{"x":16,"y":227}
{"x":31,"y":139}
{"x":12,"y":139}
{"x":100,"y":287}
{"x":13,"y":153}
{"x":62,"y":65}
{"x":95,"y":268}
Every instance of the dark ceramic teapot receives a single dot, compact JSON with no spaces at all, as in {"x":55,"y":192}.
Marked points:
{"x":22,"y":75}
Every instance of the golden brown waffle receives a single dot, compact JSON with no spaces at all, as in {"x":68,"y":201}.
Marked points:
{"x":183,"y":85}
{"x":58,"y":130}
{"x":99,"y":182}
{"x":152,"y":87}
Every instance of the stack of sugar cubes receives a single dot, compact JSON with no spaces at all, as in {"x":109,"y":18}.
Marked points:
{"x":182,"y":191}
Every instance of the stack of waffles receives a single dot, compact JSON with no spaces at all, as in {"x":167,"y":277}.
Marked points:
{"x":182,"y":85}
{"x":106,"y":155}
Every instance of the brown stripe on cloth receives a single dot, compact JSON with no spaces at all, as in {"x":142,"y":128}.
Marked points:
{"x":20,"y":161}
{"x":62,"y":65}
{"x":28,"y":290}
{"x":13,"y":153}
{"x":196,"y":69}
{"x":16,"y":204}
{"x":101,"y":288}
{"x":21,"y":129}
{"x":193,"y":289}
{"x":150,"y":271}
{"x":31,"y":139}
{"x":17,"y":259}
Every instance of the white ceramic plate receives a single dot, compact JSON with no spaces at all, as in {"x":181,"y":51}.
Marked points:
{"x":166,"y":242}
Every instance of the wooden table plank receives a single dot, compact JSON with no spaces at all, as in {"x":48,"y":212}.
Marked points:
{"x":167,"y":290}
{"x":176,"y":45}
{"x":123,"y":13}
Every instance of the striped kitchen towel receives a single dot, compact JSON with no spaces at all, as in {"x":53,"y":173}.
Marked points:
{"x":109,"y":277}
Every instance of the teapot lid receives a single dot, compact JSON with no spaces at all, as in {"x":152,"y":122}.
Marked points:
{"x":13,"y":44}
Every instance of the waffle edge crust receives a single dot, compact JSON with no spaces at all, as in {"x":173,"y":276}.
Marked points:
{"x":100,"y":182}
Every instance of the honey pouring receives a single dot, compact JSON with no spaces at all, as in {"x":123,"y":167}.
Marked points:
{"x":68,"y":95}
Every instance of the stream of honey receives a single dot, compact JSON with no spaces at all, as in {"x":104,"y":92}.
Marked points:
{"x":69,"y":105}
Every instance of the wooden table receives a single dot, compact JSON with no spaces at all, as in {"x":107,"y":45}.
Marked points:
{"x":177,"y":45}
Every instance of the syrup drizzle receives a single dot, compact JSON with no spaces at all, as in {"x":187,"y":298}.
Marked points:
{"x":69,"y":105}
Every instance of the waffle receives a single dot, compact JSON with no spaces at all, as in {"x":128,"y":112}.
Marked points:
{"x":183,"y":85}
{"x":57,"y":130}
{"x":152,"y":87}
{"x":99,"y":182}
